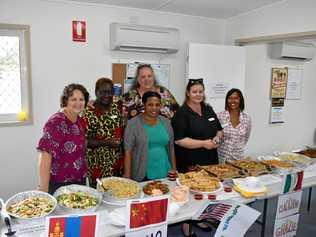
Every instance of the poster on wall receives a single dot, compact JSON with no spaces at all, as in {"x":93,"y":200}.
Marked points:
{"x":279,"y":82}
{"x":79,"y":31}
{"x":217,"y":89}
{"x":277,"y":113}
{"x":294,"y":84}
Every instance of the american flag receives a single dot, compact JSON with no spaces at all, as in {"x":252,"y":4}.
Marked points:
{"x":215,"y":211}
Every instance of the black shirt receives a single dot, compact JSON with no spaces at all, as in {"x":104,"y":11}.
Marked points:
{"x":187,"y":123}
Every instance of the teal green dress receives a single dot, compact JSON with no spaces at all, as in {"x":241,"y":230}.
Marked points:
{"x":158,"y":163}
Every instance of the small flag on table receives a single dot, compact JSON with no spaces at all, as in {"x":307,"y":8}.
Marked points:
{"x":72,"y":226}
{"x":148,"y":213}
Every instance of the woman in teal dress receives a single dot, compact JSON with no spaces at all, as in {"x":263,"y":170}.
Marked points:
{"x":148,"y":143}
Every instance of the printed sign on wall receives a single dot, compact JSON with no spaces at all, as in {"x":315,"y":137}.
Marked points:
{"x":79,"y":31}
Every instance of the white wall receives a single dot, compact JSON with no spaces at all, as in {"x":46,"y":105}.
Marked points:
{"x":287,"y":16}
{"x":57,"y":61}
{"x":300,"y":115}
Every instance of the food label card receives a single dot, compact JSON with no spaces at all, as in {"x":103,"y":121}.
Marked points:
{"x":72,"y":226}
{"x":288,"y":204}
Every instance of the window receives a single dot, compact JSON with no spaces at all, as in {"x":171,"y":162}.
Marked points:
{"x":15,"y":76}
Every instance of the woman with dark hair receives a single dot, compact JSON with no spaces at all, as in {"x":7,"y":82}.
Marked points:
{"x":196,"y":129}
{"x":145,"y":81}
{"x":62,"y":146}
{"x":104,"y":133}
{"x":148,"y":142}
{"x":236,"y":126}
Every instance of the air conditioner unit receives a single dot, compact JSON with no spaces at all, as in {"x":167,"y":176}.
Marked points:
{"x":143,"y":38}
{"x":292,"y":50}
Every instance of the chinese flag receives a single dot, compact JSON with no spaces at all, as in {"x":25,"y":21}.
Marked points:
{"x":148,"y":213}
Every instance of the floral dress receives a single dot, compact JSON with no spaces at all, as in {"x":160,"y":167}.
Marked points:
{"x":65,"y":142}
{"x":104,"y":161}
{"x":133,"y":105}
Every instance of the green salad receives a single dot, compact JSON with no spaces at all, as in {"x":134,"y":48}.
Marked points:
{"x":79,"y":200}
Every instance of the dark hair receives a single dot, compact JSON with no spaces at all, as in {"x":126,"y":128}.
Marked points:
{"x":150,"y":94}
{"x":135,"y":84}
{"x":241,"y":97}
{"x":193,"y":82}
{"x":69,"y":90}
{"x":103,"y":81}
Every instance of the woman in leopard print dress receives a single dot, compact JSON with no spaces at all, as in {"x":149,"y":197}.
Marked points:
{"x":104,"y":133}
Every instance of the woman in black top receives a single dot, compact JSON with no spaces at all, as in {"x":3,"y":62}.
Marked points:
{"x":197,"y":130}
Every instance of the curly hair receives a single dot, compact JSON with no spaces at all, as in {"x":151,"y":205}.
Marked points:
{"x":68,"y":92}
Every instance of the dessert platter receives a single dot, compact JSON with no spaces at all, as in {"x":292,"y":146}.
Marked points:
{"x":251,"y":167}
{"x":200,"y":181}
{"x":224,"y":171}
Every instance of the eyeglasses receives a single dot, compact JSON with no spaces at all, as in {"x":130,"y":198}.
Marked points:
{"x":196,"y":81}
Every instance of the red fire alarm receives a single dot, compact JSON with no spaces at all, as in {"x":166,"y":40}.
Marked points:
{"x":79,"y":31}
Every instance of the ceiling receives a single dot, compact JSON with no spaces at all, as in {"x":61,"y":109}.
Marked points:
{"x":221,"y":9}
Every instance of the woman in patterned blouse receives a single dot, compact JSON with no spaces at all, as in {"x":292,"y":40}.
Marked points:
{"x":145,"y":81}
{"x":104,"y":133}
{"x":236,"y":126}
{"x":62,"y":146}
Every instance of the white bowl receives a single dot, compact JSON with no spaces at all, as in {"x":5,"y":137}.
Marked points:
{"x":27,"y":194}
{"x":75,"y":188}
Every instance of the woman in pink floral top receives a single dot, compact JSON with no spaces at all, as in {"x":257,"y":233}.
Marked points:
{"x":236,"y":126}
{"x":62,"y":146}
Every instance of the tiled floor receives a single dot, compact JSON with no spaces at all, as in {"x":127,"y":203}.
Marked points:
{"x":307,"y":220}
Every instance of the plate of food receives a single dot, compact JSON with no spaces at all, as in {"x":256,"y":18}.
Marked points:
{"x":309,"y":152}
{"x":294,"y":157}
{"x":224,"y":171}
{"x":200,"y":182}
{"x":155,"y":188}
{"x":116,"y":190}
{"x":251,"y":167}
{"x":78,"y":198}
{"x":30,"y":205}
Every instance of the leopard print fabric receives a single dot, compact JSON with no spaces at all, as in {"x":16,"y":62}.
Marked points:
{"x":104,"y":161}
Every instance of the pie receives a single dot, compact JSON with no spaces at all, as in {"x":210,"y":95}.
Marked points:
{"x":251,"y":167}
{"x":199,"y":181}
{"x":224,"y":171}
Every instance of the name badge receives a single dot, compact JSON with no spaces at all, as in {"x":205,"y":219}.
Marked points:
{"x":211,"y":119}
{"x":113,"y":116}
{"x":224,"y":125}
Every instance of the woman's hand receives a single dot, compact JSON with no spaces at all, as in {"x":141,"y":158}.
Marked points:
{"x":91,"y":104}
{"x":209,"y":144}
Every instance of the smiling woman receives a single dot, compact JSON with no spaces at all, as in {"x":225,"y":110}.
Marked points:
{"x":236,"y":126}
{"x":62,"y":146}
{"x":148,"y":143}
{"x":104,"y":133}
